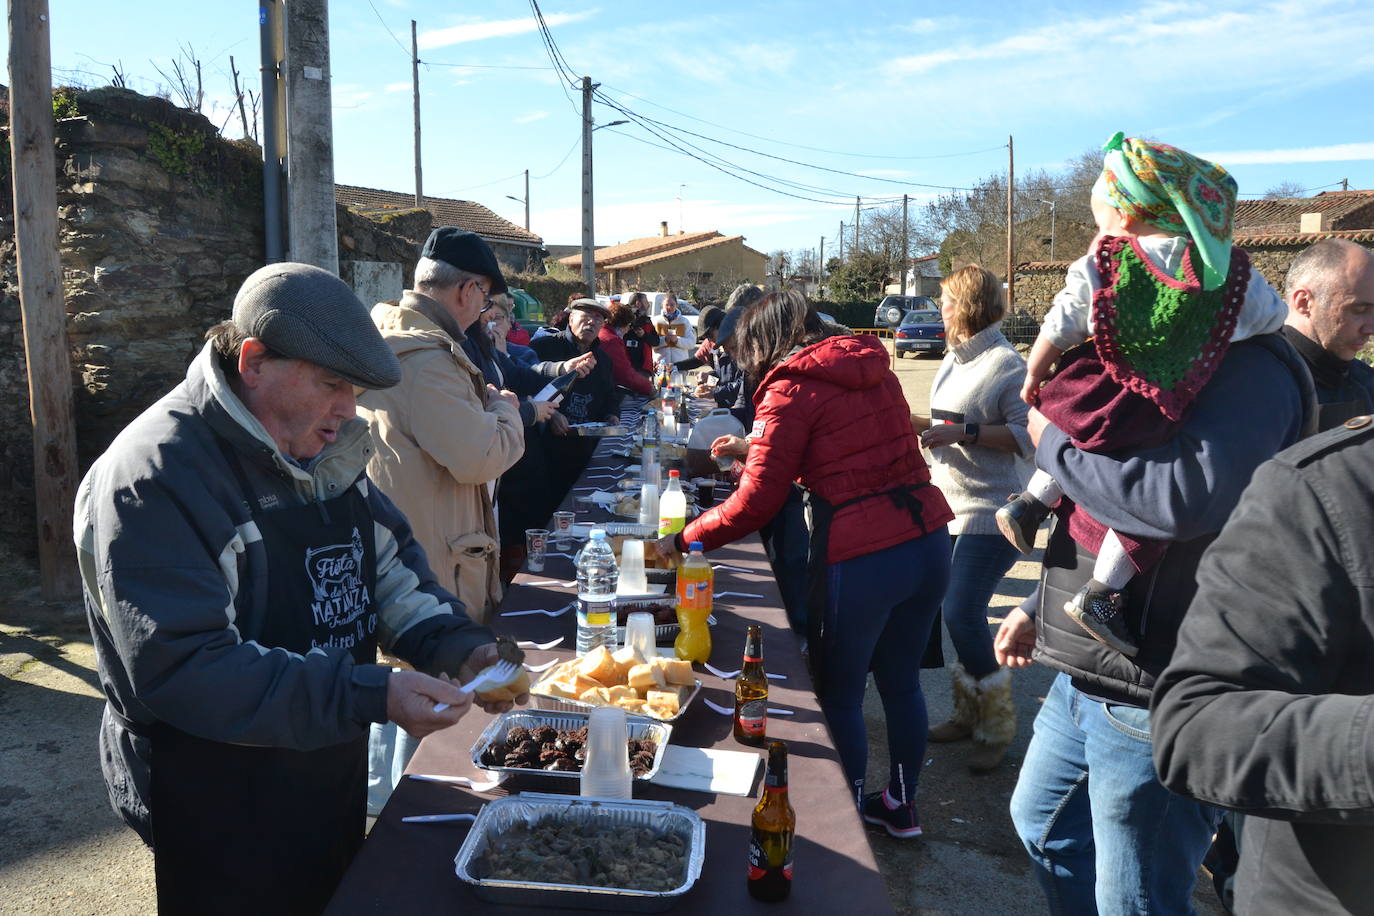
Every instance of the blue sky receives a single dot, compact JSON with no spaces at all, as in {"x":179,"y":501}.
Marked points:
{"x":913,"y":93}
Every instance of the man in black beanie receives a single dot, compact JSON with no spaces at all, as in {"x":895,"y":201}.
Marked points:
{"x":239,"y":572}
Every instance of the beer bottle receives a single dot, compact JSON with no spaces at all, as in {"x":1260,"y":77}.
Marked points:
{"x":774,"y":824}
{"x":751,"y":691}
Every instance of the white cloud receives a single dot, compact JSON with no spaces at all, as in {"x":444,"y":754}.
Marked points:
{"x":477,"y":31}
{"x":530,"y":118}
{"x":398,"y":87}
{"x":1340,"y":152}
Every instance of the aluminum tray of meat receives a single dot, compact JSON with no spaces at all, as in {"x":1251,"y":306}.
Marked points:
{"x":619,"y":855}
{"x":549,"y":743}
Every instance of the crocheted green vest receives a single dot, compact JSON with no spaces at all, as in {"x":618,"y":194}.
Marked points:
{"x":1163,"y":336}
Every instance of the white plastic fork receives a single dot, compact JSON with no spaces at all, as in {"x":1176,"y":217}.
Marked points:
{"x":541,"y":646}
{"x":727,"y":675}
{"x":558,"y":613}
{"x":496,"y":674}
{"x":463,"y":781}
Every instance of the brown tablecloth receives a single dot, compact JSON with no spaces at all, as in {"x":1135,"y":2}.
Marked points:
{"x":409,"y":867}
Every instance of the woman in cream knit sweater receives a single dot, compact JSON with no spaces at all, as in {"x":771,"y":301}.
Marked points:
{"x":980,"y":454}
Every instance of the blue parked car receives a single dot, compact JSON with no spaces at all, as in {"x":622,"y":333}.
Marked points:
{"x":921,"y":331}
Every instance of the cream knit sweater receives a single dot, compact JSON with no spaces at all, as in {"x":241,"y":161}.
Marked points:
{"x":980,"y":382}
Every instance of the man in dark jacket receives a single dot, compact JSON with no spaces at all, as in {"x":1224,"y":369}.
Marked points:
{"x":593,"y":398}
{"x":1330,"y":293}
{"x":1268,"y":704}
{"x":240,"y":572}
{"x":1102,"y":832}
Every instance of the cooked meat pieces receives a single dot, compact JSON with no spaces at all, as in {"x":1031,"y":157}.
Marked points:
{"x":564,"y":850}
{"x":548,"y":748}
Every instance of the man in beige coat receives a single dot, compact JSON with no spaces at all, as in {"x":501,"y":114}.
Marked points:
{"x":444,"y":435}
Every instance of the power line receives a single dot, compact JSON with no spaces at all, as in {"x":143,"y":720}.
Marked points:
{"x":814,"y":149}
{"x":404,"y":49}
{"x":437,"y":63}
{"x":560,"y":161}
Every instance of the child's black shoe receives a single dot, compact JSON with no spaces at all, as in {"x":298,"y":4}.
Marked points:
{"x":1019,"y":519}
{"x":1098,"y":610}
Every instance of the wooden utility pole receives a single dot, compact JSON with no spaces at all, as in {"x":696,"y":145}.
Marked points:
{"x":854,"y":246}
{"x":41,"y":301}
{"x":906,"y":247}
{"x":415,"y":84}
{"x":1011,"y":229}
{"x":588,"y":243}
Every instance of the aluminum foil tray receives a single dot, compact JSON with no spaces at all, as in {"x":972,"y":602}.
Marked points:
{"x":640,"y":728}
{"x":501,"y":814}
{"x":544,"y":701}
{"x":597,"y":429}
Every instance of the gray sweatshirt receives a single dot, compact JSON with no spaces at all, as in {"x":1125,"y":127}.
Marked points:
{"x":980,"y":382}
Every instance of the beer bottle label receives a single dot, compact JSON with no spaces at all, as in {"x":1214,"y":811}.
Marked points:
{"x":753,"y":717}
{"x":759,"y":865}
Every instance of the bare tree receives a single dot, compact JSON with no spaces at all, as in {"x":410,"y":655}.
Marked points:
{"x":118,"y":78}
{"x":238,"y":101}
{"x":185,"y":79}
{"x":1285,"y":190}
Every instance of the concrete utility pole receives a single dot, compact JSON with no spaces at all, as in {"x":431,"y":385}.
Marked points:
{"x":41,"y":300}
{"x":840,"y":255}
{"x":906,"y":248}
{"x":527,"y":200}
{"x":272,"y":34}
{"x":313,"y":235}
{"x":1011,"y":229}
{"x":588,"y":242}
{"x":415,"y":84}
{"x":1052,"y":209}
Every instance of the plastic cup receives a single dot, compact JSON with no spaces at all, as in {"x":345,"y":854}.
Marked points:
{"x":536,"y":543}
{"x":640,"y":634}
{"x":562,"y":528}
{"x":632,"y":577}
{"x":706,"y":492}
{"x":606,"y":772}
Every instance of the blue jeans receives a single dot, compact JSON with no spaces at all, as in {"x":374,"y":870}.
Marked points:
{"x":976,"y":567}
{"x":389,"y":749}
{"x":878,"y":617}
{"x":1103,"y":834}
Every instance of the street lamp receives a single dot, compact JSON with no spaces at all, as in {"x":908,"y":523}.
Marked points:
{"x":1052,"y":206}
{"x":524,"y":200}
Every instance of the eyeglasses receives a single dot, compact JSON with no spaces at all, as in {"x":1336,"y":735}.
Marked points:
{"x":487,"y":302}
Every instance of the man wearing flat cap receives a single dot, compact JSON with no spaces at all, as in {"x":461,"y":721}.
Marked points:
{"x":240,"y":571}
{"x":593,"y":399}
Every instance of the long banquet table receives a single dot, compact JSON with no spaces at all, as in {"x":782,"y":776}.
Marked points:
{"x":410,"y":868}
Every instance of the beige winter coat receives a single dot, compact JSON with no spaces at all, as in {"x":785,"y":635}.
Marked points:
{"x":439,"y":444}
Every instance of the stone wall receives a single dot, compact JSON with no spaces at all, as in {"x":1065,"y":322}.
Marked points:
{"x":159,"y":221}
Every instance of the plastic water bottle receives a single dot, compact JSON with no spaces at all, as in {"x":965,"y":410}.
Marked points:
{"x":597,"y":577}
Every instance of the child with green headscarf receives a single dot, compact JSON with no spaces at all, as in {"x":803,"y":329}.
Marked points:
{"x":1141,"y":325}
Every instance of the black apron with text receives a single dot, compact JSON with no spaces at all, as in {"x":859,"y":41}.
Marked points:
{"x":265,"y":830}
{"x":819,"y":515}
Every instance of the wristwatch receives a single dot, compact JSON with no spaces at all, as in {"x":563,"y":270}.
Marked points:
{"x":971,"y":430}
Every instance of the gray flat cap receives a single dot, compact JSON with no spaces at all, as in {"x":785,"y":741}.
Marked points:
{"x":303,"y":312}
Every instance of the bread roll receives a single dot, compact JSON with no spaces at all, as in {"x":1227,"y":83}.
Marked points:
{"x":679,"y":672}
{"x":599,"y":665}
{"x":668,"y":700}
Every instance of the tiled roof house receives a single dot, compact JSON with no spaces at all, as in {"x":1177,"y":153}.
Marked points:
{"x":696,"y":258}
{"x":516,"y":248}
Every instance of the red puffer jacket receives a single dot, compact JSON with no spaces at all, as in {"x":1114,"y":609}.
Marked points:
{"x":832,"y":418}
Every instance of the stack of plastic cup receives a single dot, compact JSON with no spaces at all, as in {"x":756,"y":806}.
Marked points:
{"x":606,"y":771}
{"x":640,"y":634}
{"x":633,"y":580}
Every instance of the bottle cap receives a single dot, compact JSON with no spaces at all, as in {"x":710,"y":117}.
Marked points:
{"x":598,"y":534}
{"x":674,"y":473}
{"x":695,"y":545}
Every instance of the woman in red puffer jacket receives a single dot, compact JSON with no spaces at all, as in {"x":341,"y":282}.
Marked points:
{"x":830,"y":416}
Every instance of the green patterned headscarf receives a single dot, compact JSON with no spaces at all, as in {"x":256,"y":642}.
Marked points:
{"x":1175,"y":191}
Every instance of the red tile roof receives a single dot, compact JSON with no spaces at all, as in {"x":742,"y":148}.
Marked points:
{"x":465,"y":214}
{"x":683,"y":249}
{"x":1343,"y":209}
{"x":615,"y":255}
{"x":1303,"y":238}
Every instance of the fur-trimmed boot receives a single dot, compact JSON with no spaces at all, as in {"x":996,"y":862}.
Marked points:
{"x":965,"y":715}
{"x":996,"y":723}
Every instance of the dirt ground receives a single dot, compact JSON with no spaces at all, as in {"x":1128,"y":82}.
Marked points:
{"x":65,"y":852}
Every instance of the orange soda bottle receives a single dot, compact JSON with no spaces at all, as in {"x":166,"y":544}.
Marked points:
{"x":695,"y":582}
